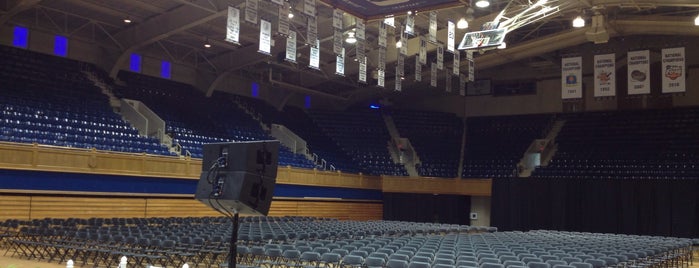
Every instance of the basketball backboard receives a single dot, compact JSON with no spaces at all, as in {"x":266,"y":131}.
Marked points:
{"x":483,"y":39}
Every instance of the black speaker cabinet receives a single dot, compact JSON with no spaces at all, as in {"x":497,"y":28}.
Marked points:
{"x":239,"y":176}
{"x":245,"y":192}
{"x":249,"y":156}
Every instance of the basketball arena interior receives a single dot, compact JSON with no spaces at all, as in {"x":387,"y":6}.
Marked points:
{"x":349,"y":133}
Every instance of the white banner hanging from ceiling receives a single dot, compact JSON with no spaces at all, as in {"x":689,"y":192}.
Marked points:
{"x":410,"y":24}
{"x":283,"y":27}
{"x":440,"y":56}
{"x":382,"y":58}
{"x":673,"y":70}
{"x":418,"y":69}
{"x":337,"y":19}
{"x":390,"y":21}
{"x":398,"y":84}
{"x":381,"y":77}
{"x":251,"y":11}
{"x":471,"y":66}
{"x":360,"y":48}
{"x":337,"y":42}
{"x":315,"y":56}
{"x":462,"y":85}
{"x":422,"y":54}
{"x":309,"y":8}
{"x":447,"y":88}
{"x":433,"y":75}
{"x":362,"y":70}
{"x":278,"y":2}
{"x":639,"y":72}
{"x":400,"y":66}
{"x":265,"y":37}
{"x":312,"y":31}
{"x":404,"y":43}
{"x":233,"y":26}
{"x":340,"y":63}
{"x":571,"y":78}
{"x":451,"y":36}
{"x":291,"y":47}
{"x":605,"y":75}
{"x":361,"y":29}
{"x":457,"y":63}
{"x":433,"y":27}
{"x":382,"y":34}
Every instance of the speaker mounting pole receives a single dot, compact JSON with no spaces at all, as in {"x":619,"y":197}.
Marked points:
{"x":233,"y":250}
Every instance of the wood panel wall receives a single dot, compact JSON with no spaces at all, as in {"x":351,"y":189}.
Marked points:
{"x":28,"y":207}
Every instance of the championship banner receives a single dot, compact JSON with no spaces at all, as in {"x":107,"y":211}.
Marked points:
{"x":451,"y":36}
{"x":361,"y":29}
{"x":233,"y":26}
{"x":337,"y":42}
{"x":448,"y":78}
{"x":571,"y":78}
{"x":337,"y":19}
{"x":381,"y":77}
{"x":251,"y":11}
{"x":410,"y":24}
{"x":390,"y":21}
{"x":423,"y":51}
{"x":362,"y":70}
{"x":398,"y":86}
{"x":404,"y":43}
{"x":382,"y":58}
{"x":471,"y":66}
{"x":400,"y":66}
{"x":605,"y":76}
{"x":418,"y":70}
{"x":265,"y":37}
{"x":278,"y":2}
{"x":315,"y":56}
{"x":440,"y":56}
{"x":291,"y":47}
{"x":340,"y":63}
{"x":638,"y":72}
{"x":462,"y":85}
{"x":283,"y":28}
{"x":433,"y":27}
{"x":312,"y":31}
{"x":360,"y":49}
{"x":309,"y":8}
{"x":457,"y":63}
{"x":433,"y":75}
{"x":674,"y":70}
{"x":382,"y":34}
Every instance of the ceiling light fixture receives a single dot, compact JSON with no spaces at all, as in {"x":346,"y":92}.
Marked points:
{"x":462,"y":23}
{"x":127,"y":21}
{"x":351,"y":39}
{"x":399,"y":44}
{"x":483,"y":3}
{"x":696,"y":21}
{"x":578,"y":22}
{"x":206,"y":43}
{"x":291,"y":15}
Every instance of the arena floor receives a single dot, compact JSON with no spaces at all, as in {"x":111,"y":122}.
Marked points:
{"x":7,"y":262}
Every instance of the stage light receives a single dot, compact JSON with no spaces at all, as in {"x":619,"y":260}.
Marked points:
{"x":483,"y":3}
{"x":351,"y":39}
{"x":578,"y":22}
{"x":462,"y":24}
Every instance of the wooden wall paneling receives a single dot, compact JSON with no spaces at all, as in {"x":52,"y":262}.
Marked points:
{"x":86,"y":207}
{"x":14,"y":207}
{"x":177,"y":207}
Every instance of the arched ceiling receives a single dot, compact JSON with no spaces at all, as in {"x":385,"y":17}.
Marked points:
{"x":177,"y":29}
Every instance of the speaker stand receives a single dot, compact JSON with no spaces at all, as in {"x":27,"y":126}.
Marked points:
{"x":233,"y":250}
